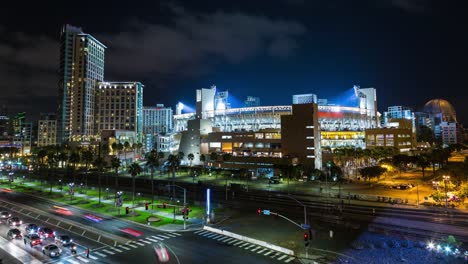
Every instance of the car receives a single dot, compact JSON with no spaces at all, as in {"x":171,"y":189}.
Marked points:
{"x":274,"y":180}
{"x":5,"y":215}
{"x":14,"y":221}
{"x":161,"y":252}
{"x":14,"y":234}
{"x":31,"y":228}
{"x":64,"y":240}
{"x":46,"y":232}
{"x":32,"y":240}
{"x":51,"y":250}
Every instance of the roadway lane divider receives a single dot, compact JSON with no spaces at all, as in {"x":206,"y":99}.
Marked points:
{"x":64,"y":224}
{"x":250,"y":240}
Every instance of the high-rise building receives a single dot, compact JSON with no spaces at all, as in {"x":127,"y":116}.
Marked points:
{"x":399,"y":112}
{"x":157,"y":119}
{"x":47,"y":130}
{"x":22,"y":131}
{"x":119,"y":106}
{"x":304,"y":99}
{"x":252,"y":101}
{"x":4,"y":121}
{"x":451,"y":133}
{"x":81,"y":67}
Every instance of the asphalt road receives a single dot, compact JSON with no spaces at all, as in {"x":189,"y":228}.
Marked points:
{"x":183,"y":247}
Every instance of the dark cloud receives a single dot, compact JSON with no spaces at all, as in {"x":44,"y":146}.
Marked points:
{"x":411,"y":6}
{"x":193,"y":42}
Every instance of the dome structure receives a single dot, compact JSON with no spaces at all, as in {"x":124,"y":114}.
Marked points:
{"x":441,"y":108}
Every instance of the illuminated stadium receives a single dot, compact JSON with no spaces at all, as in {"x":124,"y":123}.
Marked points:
{"x":340,"y":125}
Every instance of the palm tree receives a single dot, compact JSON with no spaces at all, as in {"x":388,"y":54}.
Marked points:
{"x":214,"y":156}
{"x":126,"y":147}
{"x":115,"y":164}
{"x":52,"y":160}
{"x":87,"y":157}
{"x":203,"y":159}
{"x":99,"y":163}
{"x":174,"y":163}
{"x":152,"y":162}
{"x":134,"y":169}
{"x":73,"y":159}
{"x":190,"y":157}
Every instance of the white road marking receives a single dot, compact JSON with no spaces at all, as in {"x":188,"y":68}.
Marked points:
{"x":223,"y":238}
{"x":151,"y":239}
{"x":138,"y":243}
{"x":255,"y":249}
{"x":73,"y":261}
{"x":217,"y":236}
{"x":268,"y":253}
{"x":289,"y":259}
{"x":252,"y":245}
{"x":131,"y":245}
{"x":124,"y":247}
{"x":240,"y":242}
{"x":164,"y":236}
{"x":282,"y":257}
{"x":177,"y":234}
{"x":209,"y":234}
{"x":159,"y":238}
{"x":230,"y":242}
{"x":170,"y":234}
{"x":100,"y":254}
{"x":144,"y":241}
{"x":93,"y":257}
{"x":83,"y":259}
{"x":116,"y":249}
{"x":260,"y":251}
{"x":108,"y":251}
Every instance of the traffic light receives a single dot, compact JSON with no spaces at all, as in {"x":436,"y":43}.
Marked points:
{"x":127,"y":210}
{"x":306,"y":239}
{"x":259,"y":211}
{"x":146,"y":206}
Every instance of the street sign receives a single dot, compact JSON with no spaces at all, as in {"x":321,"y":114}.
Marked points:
{"x":266,"y":212}
{"x":305,"y":226}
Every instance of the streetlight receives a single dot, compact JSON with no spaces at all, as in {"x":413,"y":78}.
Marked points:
{"x":185,"y":199}
{"x":71,"y":190}
{"x":107,"y":193}
{"x":305,"y":206}
{"x":118,"y":201}
{"x":60,"y":182}
{"x":446,"y":179}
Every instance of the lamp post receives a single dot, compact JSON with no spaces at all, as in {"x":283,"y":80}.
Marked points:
{"x":60,"y":183}
{"x":71,"y":190}
{"x":446,"y":180}
{"x":185,"y":200}
{"x":305,"y":207}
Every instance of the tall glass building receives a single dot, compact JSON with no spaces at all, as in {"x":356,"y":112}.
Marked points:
{"x":81,"y":67}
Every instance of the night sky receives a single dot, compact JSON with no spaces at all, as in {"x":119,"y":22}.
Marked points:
{"x":409,"y":50}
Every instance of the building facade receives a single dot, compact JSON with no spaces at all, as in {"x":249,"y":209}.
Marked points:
{"x":397,"y":134}
{"x":47,"y":130}
{"x":157,"y":119}
{"x":304,"y":99}
{"x":300,"y":135}
{"x":399,"y":112}
{"x":81,"y":67}
{"x":252,"y":101}
{"x":119,"y":106}
{"x":451,"y":133}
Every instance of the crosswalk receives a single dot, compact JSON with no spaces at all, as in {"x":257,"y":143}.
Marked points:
{"x":111,"y":251}
{"x":246,"y":246}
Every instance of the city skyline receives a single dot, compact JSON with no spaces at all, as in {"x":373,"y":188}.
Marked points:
{"x":405,"y":51}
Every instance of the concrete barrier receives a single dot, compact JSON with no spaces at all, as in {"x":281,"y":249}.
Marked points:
{"x":250,"y":240}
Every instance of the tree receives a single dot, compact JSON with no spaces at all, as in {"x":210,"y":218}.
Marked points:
{"x":115,"y":164}
{"x":214,"y":156}
{"x":134,"y":169}
{"x":73,"y":159}
{"x":400,"y":161}
{"x":126,"y":147}
{"x":190,"y":157}
{"x":87,"y":158}
{"x":173,"y":163}
{"x":372,"y":172}
{"x":423,"y":162}
{"x":426,"y":135}
{"x":99,"y":163}
{"x":152,"y":162}
{"x":203,"y":159}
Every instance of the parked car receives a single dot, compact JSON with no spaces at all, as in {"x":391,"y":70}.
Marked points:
{"x":274,"y":180}
{"x":14,"y":221}
{"x":31,"y":228}
{"x":46,"y":232}
{"x":51,"y":250}
{"x":32,"y":240}
{"x":14,"y":234}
